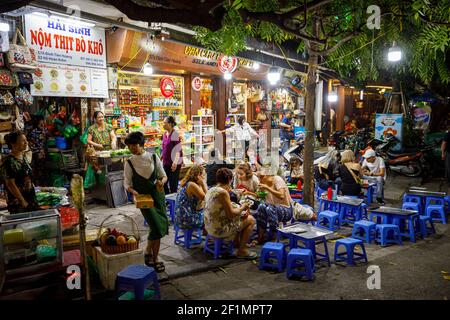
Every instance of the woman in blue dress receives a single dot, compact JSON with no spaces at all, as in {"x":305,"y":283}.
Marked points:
{"x":190,"y":199}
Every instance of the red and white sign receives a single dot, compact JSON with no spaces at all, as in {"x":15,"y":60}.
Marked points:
{"x":167,"y":87}
{"x":65,"y":41}
{"x":227,"y":63}
{"x":196,"y":83}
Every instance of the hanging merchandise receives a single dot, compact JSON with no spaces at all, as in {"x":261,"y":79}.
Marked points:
{"x":19,"y":56}
{"x":6,"y":98}
{"x":25,"y":78}
{"x":256,"y":94}
{"x":4,"y":41}
{"x":7,"y":79}
{"x":20,"y":125}
{"x":2,"y":60}
{"x":23,"y":97}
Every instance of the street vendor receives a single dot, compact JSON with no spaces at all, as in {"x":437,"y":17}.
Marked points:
{"x":17,"y":174}
{"x":101,"y":135}
{"x":144,"y":174}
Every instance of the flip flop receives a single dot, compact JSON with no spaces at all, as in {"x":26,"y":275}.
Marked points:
{"x":159,"y":267}
{"x":250,"y":256}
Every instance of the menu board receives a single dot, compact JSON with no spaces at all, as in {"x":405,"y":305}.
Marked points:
{"x":69,"y":81}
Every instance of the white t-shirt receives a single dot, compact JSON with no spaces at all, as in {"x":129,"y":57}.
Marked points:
{"x":143,"y":164}
{"x":376,"y":166}
{"x":243,"y":132}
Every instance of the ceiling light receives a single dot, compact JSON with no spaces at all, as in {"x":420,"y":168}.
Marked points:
{"x":274,"y":75}
{"x":255,"y":65}
{"x":332,"y":96}
{"x":361,"y":95}
{"x":227,"y":75}
{"x":148,"y":69}
{"x":395,"y":53}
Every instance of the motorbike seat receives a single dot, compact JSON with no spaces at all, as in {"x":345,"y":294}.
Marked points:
{"x":397,"y":155}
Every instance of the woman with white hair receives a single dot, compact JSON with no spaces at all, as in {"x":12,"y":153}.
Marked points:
{"x":278,"y":202}
{"x":325,"y":171}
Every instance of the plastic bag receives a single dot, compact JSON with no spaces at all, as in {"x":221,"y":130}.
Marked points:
{"x":84,"y":137}
{"x":89,"y":179}
{"x":45,"y":253}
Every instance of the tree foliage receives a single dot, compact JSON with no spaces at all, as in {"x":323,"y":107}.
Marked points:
{"x":420,"y":27}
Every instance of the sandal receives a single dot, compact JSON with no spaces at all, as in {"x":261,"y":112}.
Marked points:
{"x":250,"y":256}
{"x":159,"y":267}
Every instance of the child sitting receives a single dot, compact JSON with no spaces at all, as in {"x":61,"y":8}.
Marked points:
{"x":296,"y":170}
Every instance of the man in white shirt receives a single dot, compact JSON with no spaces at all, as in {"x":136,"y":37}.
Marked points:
{"x":374,"y":170}
{"x":243,"y":133}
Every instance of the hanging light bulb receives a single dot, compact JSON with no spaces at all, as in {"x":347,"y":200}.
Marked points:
{"x":255,"y":65}
{"x":394,"y":54}
{"x":148,"y":69}
{"x":227,"y":75}
{"x":332,"y":96}
{"x":361,"y":95}
{"x":274,"y":75}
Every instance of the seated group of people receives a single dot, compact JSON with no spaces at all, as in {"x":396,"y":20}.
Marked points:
{"x":230,"y":208}
{"x":341,"y":169}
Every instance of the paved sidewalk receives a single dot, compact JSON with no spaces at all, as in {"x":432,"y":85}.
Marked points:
{"x":182,"y":262}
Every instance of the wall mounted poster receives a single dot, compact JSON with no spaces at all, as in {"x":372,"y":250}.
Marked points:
{"x":389,"y":124}
{"x":65,"y":41}
{"x":57,"y":80}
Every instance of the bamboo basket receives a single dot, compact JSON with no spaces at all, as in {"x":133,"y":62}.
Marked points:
{"x":122,"y":248}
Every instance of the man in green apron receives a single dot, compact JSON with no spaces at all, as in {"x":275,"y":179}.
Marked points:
{"x":144,"y":174}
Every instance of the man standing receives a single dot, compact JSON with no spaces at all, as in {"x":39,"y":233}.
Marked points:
{"x":445,"y":150}
{"x":374,"y":170}
{"x":286,"y":129}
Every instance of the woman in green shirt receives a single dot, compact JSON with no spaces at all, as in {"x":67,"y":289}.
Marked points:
{"x":101,"y":135}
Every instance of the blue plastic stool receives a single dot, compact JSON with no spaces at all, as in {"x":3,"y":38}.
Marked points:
{"x":434,"y":201}
{"x":350,"y":214}
{"x":388,"y":234}
{"x":436,"y":209}
{"x":363,"y":213}
{"x":137,"y":277}
{"x":330,"y":219}
{"x":364,"y":230}
{"x":319,"y":198}
{"x":171,"y":205}
{"x":271,"y":251}
{"x":349,"y":256}
{"x":411,"y":206}
{"x":219,"y":246}
{"x":185,"y":238}
{"x":406,"y":225}
{"x":423,"y":228}
{"x":414,"y":199}
{"x":380,"y":217}
{"x":300,"y":258}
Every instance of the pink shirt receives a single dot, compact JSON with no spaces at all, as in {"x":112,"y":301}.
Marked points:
{"x":171,"y":144}
{"x":278,"y":185}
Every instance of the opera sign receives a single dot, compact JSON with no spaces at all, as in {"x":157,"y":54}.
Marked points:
{"x":227,"y":63}
{"x":196,"y":83}
{"x":167,"y":87}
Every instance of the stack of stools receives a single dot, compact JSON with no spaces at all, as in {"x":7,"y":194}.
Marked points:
{"x":435,"y":209}
{"x":184,"y":237}
{"x":330,"y":220}
{"x":349,"y":256}
{"x":137,"y":278}
{"x":388,"y":234}
{"x":411,"y":202}
{"x":218,"y":246}
{"x":364,"y":230}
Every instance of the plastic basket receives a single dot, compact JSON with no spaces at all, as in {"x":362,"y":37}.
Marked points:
{"x":115,"y":249}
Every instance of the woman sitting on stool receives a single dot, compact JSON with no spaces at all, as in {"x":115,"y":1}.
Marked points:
{"x":348,"y":175}
{"x":190,"y":197}
{"x":226,"y":220}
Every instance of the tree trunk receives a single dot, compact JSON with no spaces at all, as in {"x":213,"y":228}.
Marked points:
{"x":308,"y":161}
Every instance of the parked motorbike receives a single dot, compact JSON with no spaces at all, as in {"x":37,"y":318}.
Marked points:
{"x":338,"y":140}
{"x":410,"y":163}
